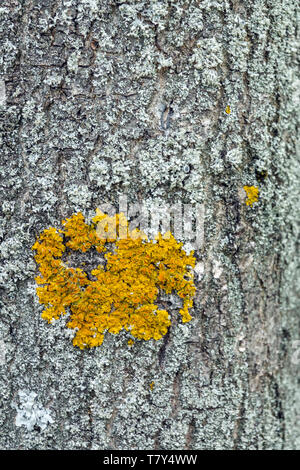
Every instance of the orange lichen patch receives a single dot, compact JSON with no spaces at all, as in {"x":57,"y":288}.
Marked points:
{"x":152,"y":386}
{"x":81,"y":236}
{"x":252,"y":194}
{"x":124,"y":293}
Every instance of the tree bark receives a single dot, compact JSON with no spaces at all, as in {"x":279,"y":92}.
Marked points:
{"x":165,"y":102}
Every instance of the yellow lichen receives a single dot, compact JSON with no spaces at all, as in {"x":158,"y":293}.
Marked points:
{"x":227,"y":109}
{"x":152,"y":385}
{"x":252,"y":194}
{"x":123,"y":293}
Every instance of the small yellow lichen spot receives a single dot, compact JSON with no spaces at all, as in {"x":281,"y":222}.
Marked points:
{"x":252,"y":194}
{"x":152,"y":385}
{"x":227,"y":109}
{"x":123,"y":294}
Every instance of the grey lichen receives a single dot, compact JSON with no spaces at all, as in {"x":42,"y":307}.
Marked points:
{"x":30,"y":413}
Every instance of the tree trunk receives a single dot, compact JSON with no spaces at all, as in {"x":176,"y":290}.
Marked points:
{"x":161,"y":102}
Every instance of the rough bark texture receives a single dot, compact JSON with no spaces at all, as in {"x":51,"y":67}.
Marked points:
{"x":101,"y":98}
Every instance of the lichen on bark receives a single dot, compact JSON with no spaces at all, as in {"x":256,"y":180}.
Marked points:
{"x":104,"y":98}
